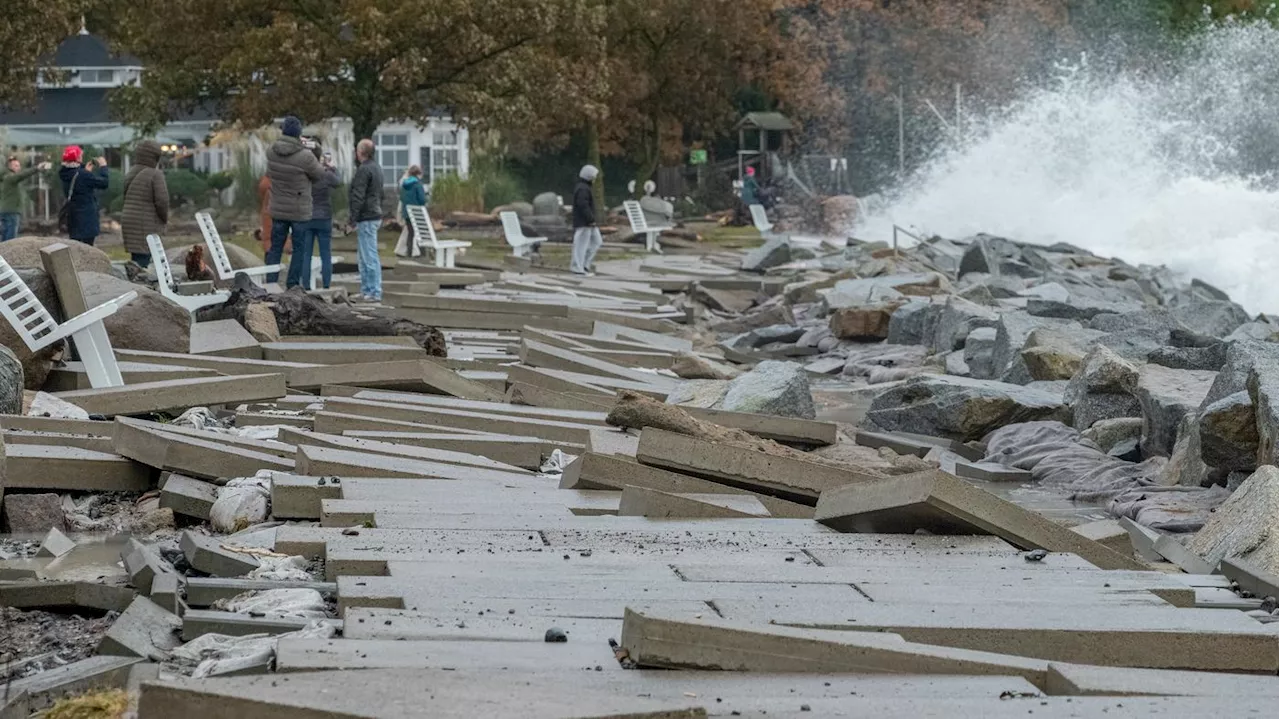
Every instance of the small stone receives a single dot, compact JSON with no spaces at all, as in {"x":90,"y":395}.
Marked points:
{"x":1035,"y":555}
{"x":351,"y":532}
{"x":555,"y":635}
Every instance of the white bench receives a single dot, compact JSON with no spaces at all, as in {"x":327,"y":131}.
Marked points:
{"x":521,"y":246}
{"x":425,"y":237}
{"x":222,"y":263}
{"x":640,"y":225}
{"x":168,"y":288}
{"x":37,"y":328}
{"x":760,"y":219}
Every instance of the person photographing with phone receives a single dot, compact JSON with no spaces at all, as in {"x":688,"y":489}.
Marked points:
{"x":80,"y":183}
{"x":11,"y":179}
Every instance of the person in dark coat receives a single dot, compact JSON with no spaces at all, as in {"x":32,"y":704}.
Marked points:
{"x":586,"y":235}
{"x":292,"y":169}
{"x":364,"y":202}
{"x":318,"y":235}
{"x":80,"y":185}
{"x":146,"y":202}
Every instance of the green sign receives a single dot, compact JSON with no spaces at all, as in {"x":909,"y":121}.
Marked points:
{"x":697,"y":157}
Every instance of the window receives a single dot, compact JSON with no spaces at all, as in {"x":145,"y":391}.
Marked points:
{"x":444,"y":153}
{"x":97,"y":77}
{"x":393,"y":156}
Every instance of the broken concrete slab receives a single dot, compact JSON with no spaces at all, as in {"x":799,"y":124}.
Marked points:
{"x":44,"y":689}
{"x":791,"y":430}
{"x":188,"y":496}
{"x":199,"y":454}
{"x":204,"y":591}
{"x":57,"y":439}
{"x":223,"y":338}
{"x":299,"y":497}
{"x":311,"y":654}
{"x":537,"y":354}
{"x":338,"y":353}
{"x":33,"y":466}
{"x":32,"y":513}
{"x":792,"y":479}
{"x":1252,"y":580}
{"x":408,"y":375}
{"x":208,"y":555}
{"x":1087,"y":680}
{"x":96,"y":428}
{"x":166,"y":592}
{"x":395,"y":449}
{"x":1107,"y":532}
{"x":991,"y":472}
{"x":643,"y":502}
{"x":198,"y":622}
{"x":943,"y":504}
{"x":143,"y":563}
{"x":595,"y":416}
{"x":73,"y":597}
{"x":1175,"y":551}
{"x":328,"y":461}
{"x":177,"y":394}
{"x":916,"y":444}
{"x":488,"y":422}
{"x":55,"y":544}
{"x":1143,"y":539}
{"x":72,"y":375}
{"x":144,"y":630}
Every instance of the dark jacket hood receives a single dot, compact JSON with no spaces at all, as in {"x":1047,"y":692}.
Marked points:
{"x":147,"y":153}
{"x":286,"y":146}
{"x":409,"y":181}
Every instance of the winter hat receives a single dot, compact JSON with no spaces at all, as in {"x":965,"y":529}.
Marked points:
{"x":751,"y":172}
{"x":291,"y":126}
{"x":73,"y":153}
{"x":588,"y":172}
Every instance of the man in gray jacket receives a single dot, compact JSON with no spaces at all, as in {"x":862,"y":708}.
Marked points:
{"x":364,"y":202}
{"x":292,"y":169}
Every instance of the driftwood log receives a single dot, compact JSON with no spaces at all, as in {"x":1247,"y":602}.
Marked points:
{"x":298,"y":313}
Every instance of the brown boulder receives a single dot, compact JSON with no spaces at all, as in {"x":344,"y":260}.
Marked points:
{"x":25,"y":252}
{"x":260,"y":321}
{"x":239,"y":256}
{"x":35,"y":365}
{"x":149,"y":323}
{"x":33,"y":513}
{"x":870,"y":322}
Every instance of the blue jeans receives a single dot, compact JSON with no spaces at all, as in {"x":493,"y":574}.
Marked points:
{"x":316,"y":236}
{"x":370,"y":265}
{"x":9,"y":222}
{"x":280,"y":231}
{"x":141,"y":259}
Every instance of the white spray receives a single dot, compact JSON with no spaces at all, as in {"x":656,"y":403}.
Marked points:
{"x":1144,"y":168}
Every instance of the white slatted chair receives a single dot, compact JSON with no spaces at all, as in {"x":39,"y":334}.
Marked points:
{"x":168,"y":288}
{"x":640,"y":225}
{"x":36,"y":327}
{"x":760,"y":219}
{"x":317,"y":278}
{"x":521,"y":246}
{"x":222,"y":263}
{"x":425,"y":237}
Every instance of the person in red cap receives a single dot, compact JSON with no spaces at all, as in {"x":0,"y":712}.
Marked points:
{"x":80,"y":185}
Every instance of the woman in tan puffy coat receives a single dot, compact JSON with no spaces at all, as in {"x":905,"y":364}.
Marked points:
{"x":146,"y":202}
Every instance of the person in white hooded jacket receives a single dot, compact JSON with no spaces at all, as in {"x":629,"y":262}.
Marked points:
{"x":586,"y":234}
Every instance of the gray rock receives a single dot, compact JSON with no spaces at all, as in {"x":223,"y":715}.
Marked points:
{"x":1049,"y":291}
{"x":911,"y":323}
{"x":11,"y":383}
{"x":1241,"y":357}
{"x":1136,"y":345}
{"x":774,"y":333}
{"x":33,"y":513}
{"x":1095,"y":407}
{"x":1075,"y":309}
{"x":1145,"y":319}
{"x":955,"y":364}
{"x":1099,"y":390}
{"x":1208,"y":291}
{"x":776,"y":251}
{"x":866,"y":322}
{"x":764,"y":317}
{"x":1245,"y":526}
{"x":1216,"y":319}
{"x":978,"y":349}
{"x":1109,"y":433}
{"x":828,"y":343}
{"x":1264,"y":392}
{"x":1056,"y":387}
{"x":865,"y":359}
{"x":957,"y":319}
{"x":1055,"y":353}
{"x":734,"y":301}
{"x":1229,"y":433}
{"x":1185,"y":468}
{"x":995,"y":286}
{"x":1127,"y":450}
{"x":994,"y":256}
{"x":24,"y":253}
{"x":1012,"y":331}
{"x":522,"y":209}
{"x":776,"y":388}
{"x":1253,"y":331}
{"x":960,"y":408}
{"x":149,"y":323}
{"x":547,"y":203}
{"x":871,"y":290}
{"x":1166,"y":396}
{"x":702,"y":393}
{"x":35,"y":365}
{"x":1210,"y":358}
{"x":813,"y":336}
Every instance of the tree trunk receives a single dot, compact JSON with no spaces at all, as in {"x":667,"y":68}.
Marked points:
{"x":649,"y":162}
{"x":298,"y":313}
{"x":593,"y":158}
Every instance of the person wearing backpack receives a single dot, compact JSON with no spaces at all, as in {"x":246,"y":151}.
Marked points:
{"x":80,"y":183}
{"x":146,"y":202}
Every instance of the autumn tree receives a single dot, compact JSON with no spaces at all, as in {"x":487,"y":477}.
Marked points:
{"x":488,"y":62}
{"x":31,"y":30}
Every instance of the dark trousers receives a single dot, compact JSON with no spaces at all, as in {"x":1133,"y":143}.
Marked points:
{"x":280,"y":232}
{"x":316,"y":236}
{"x":141,"y":259}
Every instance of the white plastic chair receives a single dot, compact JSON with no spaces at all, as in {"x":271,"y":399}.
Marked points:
{"x":168,"y":288}
{"x":760,"y":219}
{"x":317,"y":279}
{"x":521,"y":246}
{"x":425,"y":237}
{"x":37,"y":328}
{"x":222,"y":263}
{"x":640,"y":225}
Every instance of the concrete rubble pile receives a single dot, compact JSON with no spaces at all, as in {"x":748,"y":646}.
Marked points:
{"x":969,"y":478}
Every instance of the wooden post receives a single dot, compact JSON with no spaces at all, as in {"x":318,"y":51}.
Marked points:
{"x":57,"y":262}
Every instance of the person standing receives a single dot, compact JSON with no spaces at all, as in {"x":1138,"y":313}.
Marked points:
{"x":80,"y":184}
{"x":11,"y":179}
{"x":586,"y":235}
{"x":412,"y":194}
{"x":318,"y":235}
{"x":292,"y":169}
{"x":364,"y":200}
{"x":146,"y":202}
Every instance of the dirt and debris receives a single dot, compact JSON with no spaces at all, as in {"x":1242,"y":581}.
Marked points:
{"x":36,"y":641}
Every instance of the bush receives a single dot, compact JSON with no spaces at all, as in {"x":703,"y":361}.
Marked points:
{"x":221,"y":180}
{"x":454,"y":194}
{"x":186,"y":186}
{"x":502,"y":188}
{"x":112,"y":198}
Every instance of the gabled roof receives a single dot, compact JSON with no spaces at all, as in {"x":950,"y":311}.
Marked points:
{"x":85,"y":50}
{"x":78,"y":106}
{"x":766,"y":121}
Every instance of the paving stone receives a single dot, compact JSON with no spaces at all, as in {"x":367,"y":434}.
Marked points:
{"x":206,"y":554}
{"x":494,"y":407}
{"x":1143,"y":539}
{"x":943,"y":504}
{"x":299,"y":497}
{"x":55,"y":544}
{"x":537,"y":354}
{"x":143,"y":563}
{"x":338,"y":353}
{"x":1086,"y":680}
{"x":991,"y":472}
{"x":177,"y":394}
{"x":916,"y":444}
{"x":311,"y":654}
{"x":44,"y":689}
{"x":395,"y":449}
{"x":204,"y":591}
{"x":32,"y":466}
{"x":198,"y":622}
{"x":57,"y":439}
{"x":1107,"y":532}
{"x":72,"y":375}
{"x":489,"y":422}
{"x":791,"y":479}
{"x":325,"y":461}
{"x":224,"y":338}
{"x":643,"y":502}
{"x":144,"y":630}
{"x":188,"y":496}
{"x":1250,"y":579}
{"x":33,"y":513}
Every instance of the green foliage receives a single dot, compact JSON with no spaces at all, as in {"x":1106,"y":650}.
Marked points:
{"x":246,"y":183}
{"x":112,"y":198}
{"x":185,"y":187}
{"x":451,"y":193}
{"x":501,"y":188}
{"x":220,"y":180}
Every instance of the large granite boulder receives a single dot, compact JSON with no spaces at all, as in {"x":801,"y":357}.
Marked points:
{"x":149,"y":323}
{"x":867,"y":322}
{"x":774,"y":252}
{"x":913,"y":323}
{"x":1215,"y":319}
{"x":35,"y":365}
{"x":11,"y":383}
{"x":1245,"y":526}
{"x":547,"y":204}
{"x":1166,"y":396}
{"x":1099,"y":390}
{"x":773,"y":387}
{"x":1264,"y":392}
{"x":959,"y":407}
{"x":979,"y":349}
{"x":871,"y":290}
{"x":1012,"y":331}
{"x":1229,"y":433}
{"x":957,"y":319}
{"x":1055,"y":353}
{"x":24,"y":252}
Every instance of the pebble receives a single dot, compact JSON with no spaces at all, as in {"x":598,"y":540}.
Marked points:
{"x":555,"y":635}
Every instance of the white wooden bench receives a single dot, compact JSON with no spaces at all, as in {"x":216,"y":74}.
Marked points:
{"x":425,"y":237}
{"x":640,"y":225}
{"x":168,"y":288}
{"x":36,"y":326}
{"x":760,"y":219}
{"x":222,"y":263}
{"x":521,"y":246}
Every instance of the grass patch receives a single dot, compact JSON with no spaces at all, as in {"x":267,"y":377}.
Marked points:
{"x":97,"y":705}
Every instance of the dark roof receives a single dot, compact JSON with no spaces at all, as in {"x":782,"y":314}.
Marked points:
{"x":85,"y":50}
{"x":766,"y":121}
{"x":76,"y":106}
